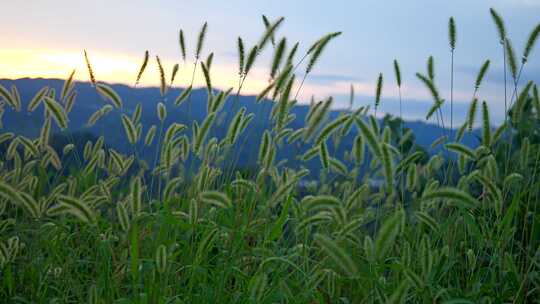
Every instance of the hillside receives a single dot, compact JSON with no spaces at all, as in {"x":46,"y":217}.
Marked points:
{"x":88,"y":101}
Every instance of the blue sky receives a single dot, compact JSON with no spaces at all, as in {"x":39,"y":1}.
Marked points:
{"x":47,"y":38}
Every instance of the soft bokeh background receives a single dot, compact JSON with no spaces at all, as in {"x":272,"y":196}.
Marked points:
{"x":47,"y":38}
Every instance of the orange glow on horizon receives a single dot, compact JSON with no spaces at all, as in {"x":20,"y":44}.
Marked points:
{"x":116,"y":68}
{"x":123,"y":69}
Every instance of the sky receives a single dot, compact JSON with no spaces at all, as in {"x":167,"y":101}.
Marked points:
{"x":47,"y":38}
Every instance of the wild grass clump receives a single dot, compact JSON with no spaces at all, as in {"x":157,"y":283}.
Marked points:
{"x":383,"y":223}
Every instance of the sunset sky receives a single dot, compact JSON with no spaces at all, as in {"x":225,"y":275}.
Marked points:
{"x":47,"y":38}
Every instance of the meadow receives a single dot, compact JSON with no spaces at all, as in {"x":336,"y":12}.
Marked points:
{"x":384,"y":222}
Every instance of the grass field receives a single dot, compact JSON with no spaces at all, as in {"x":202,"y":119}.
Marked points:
{"x":384,"y":223}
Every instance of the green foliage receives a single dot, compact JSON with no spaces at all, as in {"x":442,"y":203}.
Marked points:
{"x":317,"y":48}
{"x":378,"y":91}
{"x":481,"y":74}
{"x":200,"y":40}
{"x":143,"y":67}
{"x":452,"y":33}
{"x":499,"y":24}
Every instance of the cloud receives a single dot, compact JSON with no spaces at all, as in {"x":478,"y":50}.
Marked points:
{"x":332,"y":78}
{"x":495,"y":75}
{"x":412,"y":108}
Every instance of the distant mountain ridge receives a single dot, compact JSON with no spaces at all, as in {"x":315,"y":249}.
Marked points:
{"x":88,"y":101}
